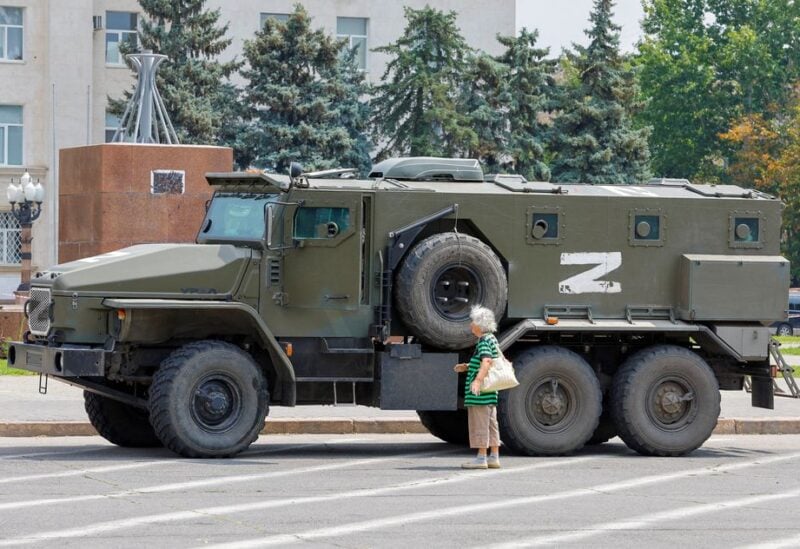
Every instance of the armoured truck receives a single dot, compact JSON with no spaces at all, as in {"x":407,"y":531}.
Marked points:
{"x":624,"y":308}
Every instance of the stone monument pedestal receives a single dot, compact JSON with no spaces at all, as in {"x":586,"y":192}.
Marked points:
{"x":120,"y":194}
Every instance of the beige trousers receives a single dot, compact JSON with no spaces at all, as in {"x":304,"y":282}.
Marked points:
{"x":483,"y":432}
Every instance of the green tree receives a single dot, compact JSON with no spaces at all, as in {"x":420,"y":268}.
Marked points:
{"x":594,"y":138}
{"x":192,"y":83}
{"x":706,"y":63}
{"x":486,"y":102}
{"x":528,"y":90}
{"x":302,"y":98}
{"x":417,"y":110}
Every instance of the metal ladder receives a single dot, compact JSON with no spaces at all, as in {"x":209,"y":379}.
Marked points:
{"x":784,"y":368}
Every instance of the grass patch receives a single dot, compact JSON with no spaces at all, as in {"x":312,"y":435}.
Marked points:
{"x":6,"y":371}
{"x":788,"y":339}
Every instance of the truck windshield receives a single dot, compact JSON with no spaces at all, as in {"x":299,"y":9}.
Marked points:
{"x":236,"y":217}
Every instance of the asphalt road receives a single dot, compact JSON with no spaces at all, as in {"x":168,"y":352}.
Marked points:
{"x":397,"y":491}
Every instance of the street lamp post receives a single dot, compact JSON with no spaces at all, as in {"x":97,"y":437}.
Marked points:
{"x":26,"y":205}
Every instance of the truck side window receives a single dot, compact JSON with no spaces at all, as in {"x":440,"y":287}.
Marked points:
{"x":320,"y":223}
{"x":544,"y":225}
{"x":745,"y":229}
{"x":647,"y":227}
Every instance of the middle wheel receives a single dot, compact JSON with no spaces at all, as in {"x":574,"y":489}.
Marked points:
{"x":441,"y":279}
{"x":556,"y":407}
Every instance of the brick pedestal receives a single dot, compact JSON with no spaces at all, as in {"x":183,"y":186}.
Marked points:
{"x":106,"y":201}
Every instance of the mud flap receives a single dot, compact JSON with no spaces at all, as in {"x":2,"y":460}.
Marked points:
{"x":762,"y":395}
{"x":413,"y":380}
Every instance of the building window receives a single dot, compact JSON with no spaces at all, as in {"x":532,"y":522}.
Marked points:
{"x":354,"y":30}
{"x":112,"y":123}
{"x":280,"y":17}
{"x":10,"y":239}
{"x":120,"y":28}
{"x":10,"y":34}
{"x":10,"y":135}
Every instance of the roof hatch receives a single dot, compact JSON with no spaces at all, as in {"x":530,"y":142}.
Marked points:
{"x":427,"y":168}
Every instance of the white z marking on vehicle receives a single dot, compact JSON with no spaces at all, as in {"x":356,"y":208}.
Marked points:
{"x":98,"y":258}
{"x":586,"y":282}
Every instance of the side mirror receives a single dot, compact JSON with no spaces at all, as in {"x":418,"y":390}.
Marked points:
{"x":268,"y":218}
{"x":295,"y":170}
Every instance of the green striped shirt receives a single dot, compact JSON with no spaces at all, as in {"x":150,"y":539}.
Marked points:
{"x":487,"y":347}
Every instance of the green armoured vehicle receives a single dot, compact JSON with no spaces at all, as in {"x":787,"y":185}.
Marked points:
{"x":625,"y":309}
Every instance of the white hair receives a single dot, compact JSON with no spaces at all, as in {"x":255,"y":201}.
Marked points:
{"x":484,"y":319}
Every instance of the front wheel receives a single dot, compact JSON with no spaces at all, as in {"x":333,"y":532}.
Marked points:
{"x":665,"y":401}
{"x":208,"y":399}
{"x":784,"y":330}
{"x":556,"y":407}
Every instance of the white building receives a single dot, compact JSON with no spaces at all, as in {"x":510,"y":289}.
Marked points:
{"x":59,"y":62}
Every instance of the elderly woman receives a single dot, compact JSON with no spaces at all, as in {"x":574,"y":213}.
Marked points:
{"x":482,"y":407}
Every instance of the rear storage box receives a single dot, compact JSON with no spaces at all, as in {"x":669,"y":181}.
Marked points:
{"x":733,"y":287}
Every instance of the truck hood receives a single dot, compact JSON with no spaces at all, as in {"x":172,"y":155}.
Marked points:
{"x":155,"y":270}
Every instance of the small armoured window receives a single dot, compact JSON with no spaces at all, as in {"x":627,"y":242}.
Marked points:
{"x":544,"y":225}
{"x":745,"y":229}
{"x":647,"y":227}
{"x":320,"y":223}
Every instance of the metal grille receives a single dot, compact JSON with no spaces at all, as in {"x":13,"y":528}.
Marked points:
{"x":274,"y":272}
{"x":39,"y":311}
{"x":10,"y":239}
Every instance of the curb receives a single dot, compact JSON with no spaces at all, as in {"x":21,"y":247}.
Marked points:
{"x":328,"y":426}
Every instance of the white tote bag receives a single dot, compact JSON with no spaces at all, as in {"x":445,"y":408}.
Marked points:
{"x":501,"y":374}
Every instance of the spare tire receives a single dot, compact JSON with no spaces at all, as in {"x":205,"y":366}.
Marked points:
{"x":440,"y":280}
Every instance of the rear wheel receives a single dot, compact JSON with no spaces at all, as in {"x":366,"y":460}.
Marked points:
{"x":665,"y":401}
{"x":556,"y":407}
{"x":119,"y":423}
{"x":450,"y":426}
{"x":784,"y":330}
{"x":208,"y":399}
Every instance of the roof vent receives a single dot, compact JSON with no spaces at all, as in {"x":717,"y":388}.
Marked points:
{"x":426,"y":168}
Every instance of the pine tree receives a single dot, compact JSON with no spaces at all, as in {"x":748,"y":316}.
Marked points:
{"x":486,"y":101}
{"x":529,"y":94}
{"x":417,"y":109}
{"x":594,"y":138}
{"x":302,"y":99}
{"x":192,"y":82}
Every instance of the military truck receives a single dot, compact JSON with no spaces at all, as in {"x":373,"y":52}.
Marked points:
{"x":625,"y":308}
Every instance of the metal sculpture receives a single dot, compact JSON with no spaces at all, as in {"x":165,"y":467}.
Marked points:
{"x":145,"y":119}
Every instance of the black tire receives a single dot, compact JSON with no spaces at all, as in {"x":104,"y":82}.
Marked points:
{"x":119,"y":423}
{"x":440,"y":280}
{"x":209,"y":399}
{"x":647,"y":405}
{"x":450,"y":426}
{"x":556,"y":407}
{"x":784,"y":329}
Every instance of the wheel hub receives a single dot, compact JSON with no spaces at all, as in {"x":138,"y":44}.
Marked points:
{"x":456,"y":289}
{"x":550,"y":403}
{"x":216,"y":404}
{"x":671,"y":402}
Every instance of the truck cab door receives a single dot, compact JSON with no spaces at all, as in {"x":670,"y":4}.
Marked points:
{"x":324,"y":269}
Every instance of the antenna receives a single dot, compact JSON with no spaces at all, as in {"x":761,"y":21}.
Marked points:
{"x":145,"y":119}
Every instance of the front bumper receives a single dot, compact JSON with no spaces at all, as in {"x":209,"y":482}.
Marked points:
{"x":66,"y":361}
